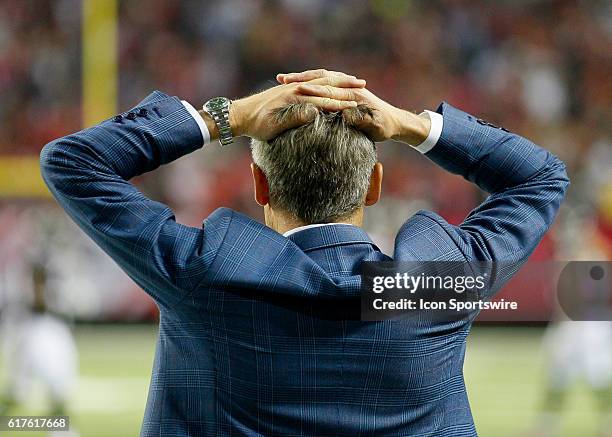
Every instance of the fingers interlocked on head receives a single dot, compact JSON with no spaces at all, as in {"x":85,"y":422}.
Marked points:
{"x":303,"y":113}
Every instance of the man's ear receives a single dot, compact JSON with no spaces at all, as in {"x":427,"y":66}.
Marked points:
{"x":260,"y":183}
{"x":375,"y":188}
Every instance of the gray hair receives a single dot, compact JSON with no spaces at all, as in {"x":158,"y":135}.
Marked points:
{"x":318,"y":172}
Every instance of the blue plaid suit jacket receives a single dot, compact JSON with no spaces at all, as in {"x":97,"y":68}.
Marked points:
{"x":246,"y":343}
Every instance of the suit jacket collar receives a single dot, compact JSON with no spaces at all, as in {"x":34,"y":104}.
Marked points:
{"x":330,"y":235}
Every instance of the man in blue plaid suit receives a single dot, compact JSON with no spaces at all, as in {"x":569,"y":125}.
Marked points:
{"x":251,"y":338}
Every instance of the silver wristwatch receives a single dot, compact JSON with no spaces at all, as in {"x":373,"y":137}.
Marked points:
{"x":218,"y":109}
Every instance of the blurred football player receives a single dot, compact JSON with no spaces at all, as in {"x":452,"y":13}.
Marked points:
{"x":38,"y":348}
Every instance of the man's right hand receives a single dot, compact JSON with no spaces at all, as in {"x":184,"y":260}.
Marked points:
{"x":383,"y":122}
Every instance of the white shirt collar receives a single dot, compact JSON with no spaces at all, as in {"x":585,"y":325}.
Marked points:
{"x":316,"y":225}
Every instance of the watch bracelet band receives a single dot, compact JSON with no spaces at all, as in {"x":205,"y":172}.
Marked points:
{"x":225,"y":131}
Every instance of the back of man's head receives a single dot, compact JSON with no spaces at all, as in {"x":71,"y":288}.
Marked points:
{"x":318,"y":172}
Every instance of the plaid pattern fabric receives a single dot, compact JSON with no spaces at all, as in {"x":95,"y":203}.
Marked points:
{"x":253,"y":338}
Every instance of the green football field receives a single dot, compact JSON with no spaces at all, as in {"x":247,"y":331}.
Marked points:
{"x":504,"y":374}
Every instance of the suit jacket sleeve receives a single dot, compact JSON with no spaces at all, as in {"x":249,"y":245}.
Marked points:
{"x":88,"y":174}
{"x":526,"y":185}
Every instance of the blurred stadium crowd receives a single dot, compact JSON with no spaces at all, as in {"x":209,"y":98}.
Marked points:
{"x":540,"y":68}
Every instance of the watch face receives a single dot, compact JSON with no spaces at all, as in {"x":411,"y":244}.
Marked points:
{"x":217,"y":104}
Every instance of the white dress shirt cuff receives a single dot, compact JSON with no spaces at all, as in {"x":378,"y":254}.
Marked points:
{"x":199,"y":121}
{"x":435,"y":131}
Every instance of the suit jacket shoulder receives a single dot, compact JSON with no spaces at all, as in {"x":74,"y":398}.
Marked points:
{"x":428,"y":237}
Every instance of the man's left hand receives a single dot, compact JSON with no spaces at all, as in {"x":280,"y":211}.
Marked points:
{"x":254,"y":115}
